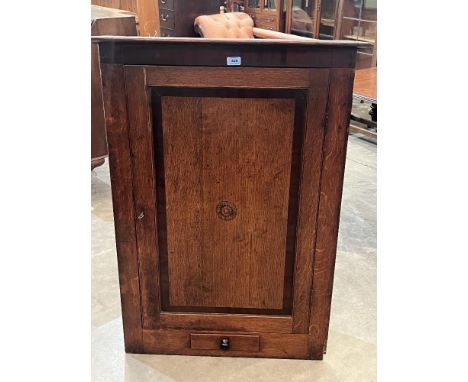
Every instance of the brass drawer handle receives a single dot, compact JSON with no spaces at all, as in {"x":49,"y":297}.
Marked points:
{"x":164,"y":17}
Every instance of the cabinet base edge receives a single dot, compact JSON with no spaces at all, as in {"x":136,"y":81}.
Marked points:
{"x":177,"y":342}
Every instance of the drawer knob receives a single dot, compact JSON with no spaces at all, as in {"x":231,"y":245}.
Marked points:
{"x":164,"y":17}
{"x":163,"y":1}
{"x":224,"y":344}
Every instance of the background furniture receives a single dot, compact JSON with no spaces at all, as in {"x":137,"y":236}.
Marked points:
{"x":327,"y":16}
{"x":146,"y":10}
{"x":104,"y":21}
{"x":324,"y":19}
{"x":336,"y":19}
{"x":177,"y":16}
{"x":365,"y":89}
{"x":266,"y":14}
{"x":301,"y":17}
{"x":358,"y":21}
{"x":128,"y":5}
{"x":217,"y":164}
{"x":235,"y":25}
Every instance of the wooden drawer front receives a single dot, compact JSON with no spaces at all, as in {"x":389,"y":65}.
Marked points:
{"x":265,"y":18}
{"x":167,"y":32}
{"x":199,"y":341}
{"x":166,"y":4}
{"x":264,"y":24}
{"x":167,"y":18}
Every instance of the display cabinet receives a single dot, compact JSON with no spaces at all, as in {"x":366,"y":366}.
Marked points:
{"x":328,"y":22}
{"x":311,"y":18}
{"x":336,"y":19}
{"x":301,"y":17}
{"x":266,"y":14}
{"x":358,"y":21}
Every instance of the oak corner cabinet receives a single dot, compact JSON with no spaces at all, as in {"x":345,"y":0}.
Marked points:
{"x":226,"y":185}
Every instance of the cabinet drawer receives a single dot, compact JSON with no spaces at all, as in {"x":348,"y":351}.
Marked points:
{"x":167,"y":18}
{"x":167,"y":32}
{"x":262,"y":17}
{"x":266,"y":25}
{"x":166,"y":4}
{"x":202,"y":341}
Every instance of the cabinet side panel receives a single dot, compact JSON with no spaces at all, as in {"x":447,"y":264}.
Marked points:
{"x":334,"y":157}
{"x":98,"y":128}
{"x":141,"y":148}
{"x":308,"y":197}
{"x":122,"y":199}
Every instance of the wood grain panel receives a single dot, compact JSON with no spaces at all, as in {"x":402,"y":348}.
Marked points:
{"x":200,"y":174}
{"x":144,"y":189}
{"x":148,"y":17}
{"x":187,"y":199}
{"x":229,"y":322}
{"x":113,"y":86}
{"x":115,"y":26}
{"x":309,"y":197}
{"x":128,"y":5}
{"x":107,"y":3}
{"x":217,"y":77}
{"x":335,"y":143}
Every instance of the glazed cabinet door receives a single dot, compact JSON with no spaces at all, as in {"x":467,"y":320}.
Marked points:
{"x":226,"y":190}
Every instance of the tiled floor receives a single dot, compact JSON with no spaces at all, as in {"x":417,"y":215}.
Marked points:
{"x":351,"y":354}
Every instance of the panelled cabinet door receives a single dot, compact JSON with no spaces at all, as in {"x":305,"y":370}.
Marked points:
{"x":226,"y":184}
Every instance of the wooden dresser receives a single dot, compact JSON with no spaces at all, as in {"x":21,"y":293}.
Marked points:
{"x":226,"y":184}
{"x":104,"y":21}
{"x":176,"y":17}
{"x":266,"y":14}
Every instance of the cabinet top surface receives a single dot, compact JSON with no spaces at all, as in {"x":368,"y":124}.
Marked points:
{"x":220,"y":52}
{"x":227,"y":41}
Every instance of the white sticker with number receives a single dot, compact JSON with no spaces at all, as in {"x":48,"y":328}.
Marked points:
{"x":233,"y":61}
